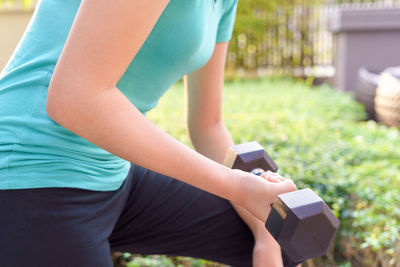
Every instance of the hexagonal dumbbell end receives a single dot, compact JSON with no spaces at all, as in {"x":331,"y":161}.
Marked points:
{"x":249,"y":156}
{"x":302,"y":224}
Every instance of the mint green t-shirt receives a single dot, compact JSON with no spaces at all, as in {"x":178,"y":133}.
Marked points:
{"x":37,"y":152}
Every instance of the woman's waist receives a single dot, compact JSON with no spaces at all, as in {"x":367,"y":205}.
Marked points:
{"x":24,"y":166}
{"x":32,"y":167}
{"x":22,"y":155}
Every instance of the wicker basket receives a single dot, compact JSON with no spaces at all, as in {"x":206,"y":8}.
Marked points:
{"x":365,"y":90}
{"x":387,"y":100}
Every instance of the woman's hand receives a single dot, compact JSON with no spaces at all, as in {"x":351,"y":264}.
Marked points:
{"x":266,"y":251}
{"x":258,"y":193}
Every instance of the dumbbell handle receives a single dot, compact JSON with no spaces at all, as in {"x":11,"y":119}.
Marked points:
{"x":258,"y":171}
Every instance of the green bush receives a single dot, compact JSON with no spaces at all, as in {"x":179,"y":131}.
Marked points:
{"x":319,"y":138}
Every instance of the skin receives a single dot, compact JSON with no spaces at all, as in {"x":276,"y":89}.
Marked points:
{"x":83,"y":98}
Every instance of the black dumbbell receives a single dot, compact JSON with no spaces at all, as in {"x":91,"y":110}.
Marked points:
{"x":300,"y":221}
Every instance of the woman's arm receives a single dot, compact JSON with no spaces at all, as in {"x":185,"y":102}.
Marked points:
{"x":83,"y":98}
{"x":209,"y":136}
{"x":203,"y":105}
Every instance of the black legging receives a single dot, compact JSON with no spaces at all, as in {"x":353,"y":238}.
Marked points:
{"x":149,"y":214}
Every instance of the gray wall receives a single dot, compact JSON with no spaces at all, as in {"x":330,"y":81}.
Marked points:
{"x":364,"y":38}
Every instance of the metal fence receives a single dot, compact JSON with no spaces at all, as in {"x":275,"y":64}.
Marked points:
{"x":294,"y":38}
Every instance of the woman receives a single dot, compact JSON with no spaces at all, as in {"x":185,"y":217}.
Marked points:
{"x":83,"y":172}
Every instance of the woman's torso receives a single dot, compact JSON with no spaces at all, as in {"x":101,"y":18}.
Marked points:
{"x":37,"y":152}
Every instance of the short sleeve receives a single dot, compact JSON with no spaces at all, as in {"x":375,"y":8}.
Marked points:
{"x":226,"y":23}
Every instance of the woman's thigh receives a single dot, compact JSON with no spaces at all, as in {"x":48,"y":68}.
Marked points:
{"x":165,"y":216}
{"x":149,"y":214}
{"x":57,"y":227}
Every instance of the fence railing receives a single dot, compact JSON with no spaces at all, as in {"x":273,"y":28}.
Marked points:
{"x":292,"y":39}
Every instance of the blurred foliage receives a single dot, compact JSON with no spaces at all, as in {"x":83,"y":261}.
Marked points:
{"x":135,"y":260}
{"x":286,"y":37}
{"x":319,"y":138}
{"x":278,"y":36}
{"x":25,"y":4}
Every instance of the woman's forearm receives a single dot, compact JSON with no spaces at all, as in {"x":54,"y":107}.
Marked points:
{"x":107,"y":119}
{"x":211,"y":141}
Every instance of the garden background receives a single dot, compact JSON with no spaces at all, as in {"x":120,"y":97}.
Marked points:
{"x":318,"y":136}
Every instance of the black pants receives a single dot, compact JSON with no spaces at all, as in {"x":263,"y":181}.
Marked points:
{"x":149,"y":214}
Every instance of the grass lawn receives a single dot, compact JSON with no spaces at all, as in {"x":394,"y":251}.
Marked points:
{"x":318,"y":138}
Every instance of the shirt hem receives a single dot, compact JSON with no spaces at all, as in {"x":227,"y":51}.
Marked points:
{"x":14,"y":184}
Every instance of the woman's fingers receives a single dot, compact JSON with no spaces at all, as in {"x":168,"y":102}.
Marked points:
{"x":285,"y":186}
{"x":272,"y":177}
{"x":257,"y":194}
{"x":279,"y":185}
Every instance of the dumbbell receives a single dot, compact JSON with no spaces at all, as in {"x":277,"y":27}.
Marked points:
{"x":300,"y":221}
